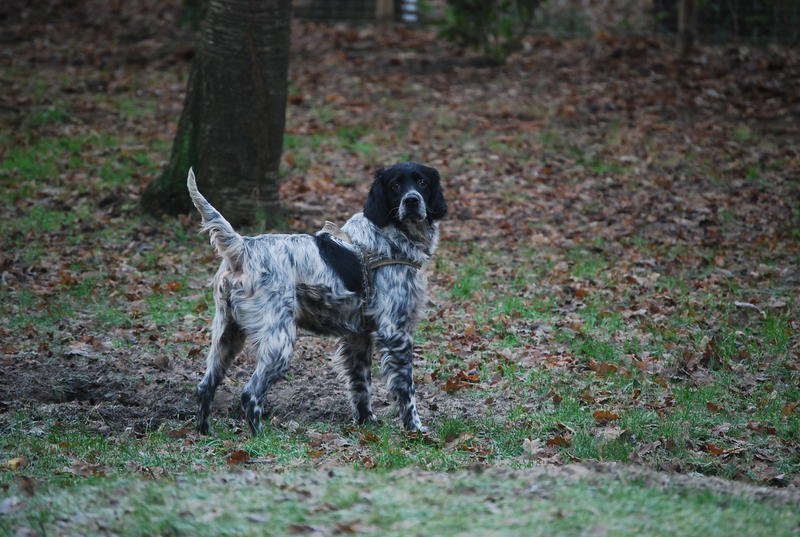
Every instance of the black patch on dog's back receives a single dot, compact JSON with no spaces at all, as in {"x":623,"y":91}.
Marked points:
{"x":344,"y":262}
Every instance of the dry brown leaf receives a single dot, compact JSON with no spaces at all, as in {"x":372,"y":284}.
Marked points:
{"x":559,"y":441}
{"x":604,"y":415}
{"x":603,"y":369}
{"x":368,"y":437}
{"x":239,"y":456}
{"x":761,"y":428}
{"x":25,"y":484}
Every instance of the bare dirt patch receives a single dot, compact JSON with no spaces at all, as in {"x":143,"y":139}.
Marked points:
{"x":117,"y":391}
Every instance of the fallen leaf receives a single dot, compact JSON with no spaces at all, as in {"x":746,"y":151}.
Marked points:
{"x":532,"y":447}
{"x":776,"y":303}
{"x":761,"y":428}
{"x":602,"y":368}
{"x":368,"y":437}
{"x":635,"y":313}
{"x":559,"y":441}
{"x":84,"y":469}
{"x":239,"y":456}
{"x":461,"y":380}
{"x":180,"y":433}
{"x":609,"y":434}
{"x":453,"y":443}
{"x":25,"y":484}
{"x":347,"y":527}
{"x":300,"y":529}
{"x":478,"y":449}
{"x":586,"y":396}
{"x":603,"y":415}
{"x":789,"y":409}
{"x":17,"y":462}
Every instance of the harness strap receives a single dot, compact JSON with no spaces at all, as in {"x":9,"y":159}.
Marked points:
{"x":375,"y":264}
{"x":370,"y":259}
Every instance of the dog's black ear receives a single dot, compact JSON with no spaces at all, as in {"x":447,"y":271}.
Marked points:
{"x":437,"y":208}
{"x":377,"y":206}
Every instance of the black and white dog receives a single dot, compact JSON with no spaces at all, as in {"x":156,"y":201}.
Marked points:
{"x":363,"y":284}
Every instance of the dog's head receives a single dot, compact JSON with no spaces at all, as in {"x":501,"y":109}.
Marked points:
{"x":405,"y":192}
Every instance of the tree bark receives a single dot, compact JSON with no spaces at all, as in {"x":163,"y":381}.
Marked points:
{"x":231,"y":127}
{"x":687,"y":27}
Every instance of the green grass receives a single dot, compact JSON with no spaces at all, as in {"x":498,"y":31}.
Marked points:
{"x":47,"y":115}
{"x":386,"y":504}
{"x":169,"y":449}
{"x":642,"y":326}
{"x":132,"y":107}
{"x":662,"y":406}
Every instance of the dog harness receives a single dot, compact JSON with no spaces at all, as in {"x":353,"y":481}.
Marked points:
{"x":370,"y":259}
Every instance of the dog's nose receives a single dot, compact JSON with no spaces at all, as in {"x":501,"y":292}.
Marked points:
{"x":411,"y":202}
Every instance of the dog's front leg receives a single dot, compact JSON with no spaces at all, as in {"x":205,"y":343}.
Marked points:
{"x":354,"y":359}
{"x":396,"y":362}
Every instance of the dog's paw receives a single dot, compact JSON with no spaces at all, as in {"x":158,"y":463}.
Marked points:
{"x":416,"y":427}
{"x":203,"y":427}
{"x":363,"y":419}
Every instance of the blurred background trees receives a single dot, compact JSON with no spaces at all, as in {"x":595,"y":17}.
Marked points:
{"x":231,"y":128}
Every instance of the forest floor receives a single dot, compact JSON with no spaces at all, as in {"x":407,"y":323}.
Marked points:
{"x":613,"y":342}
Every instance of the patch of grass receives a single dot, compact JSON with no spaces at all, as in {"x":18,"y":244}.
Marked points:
{"x":112,"y":317}
{"x":587,"y":263}
{"x":47,"y":115}
{"x":299,"y":141}
{"x":61,"y":454}
{"x":469,"y":277}
{"x":164,"y":310}
{"x":743,"y":134}
{"x":375,"y":503}
{"x":132,"y":107}
{"x":121,"y":169}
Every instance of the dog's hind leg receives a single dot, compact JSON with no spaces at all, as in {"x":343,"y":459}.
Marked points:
{"x":227,"y":340}
{"x":353,"y":360}
{"x":274,"y":343}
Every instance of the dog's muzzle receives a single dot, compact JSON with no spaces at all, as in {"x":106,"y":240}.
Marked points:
{"x":412,"y":206}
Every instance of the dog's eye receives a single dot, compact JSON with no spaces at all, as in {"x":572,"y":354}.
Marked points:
{"x":422,"y":183}
{"x":396,"y":186}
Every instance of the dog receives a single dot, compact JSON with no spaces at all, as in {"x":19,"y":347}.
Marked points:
{"x":363,"y":284}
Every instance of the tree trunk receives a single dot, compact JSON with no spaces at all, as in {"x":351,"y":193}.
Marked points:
{"x":687,"y":27}
{"x":231,"y":128}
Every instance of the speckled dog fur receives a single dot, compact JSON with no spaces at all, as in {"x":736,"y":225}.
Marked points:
{"x":269,"y":285}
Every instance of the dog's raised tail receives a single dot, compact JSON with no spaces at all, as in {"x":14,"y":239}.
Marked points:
{"x":228,"y":243}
